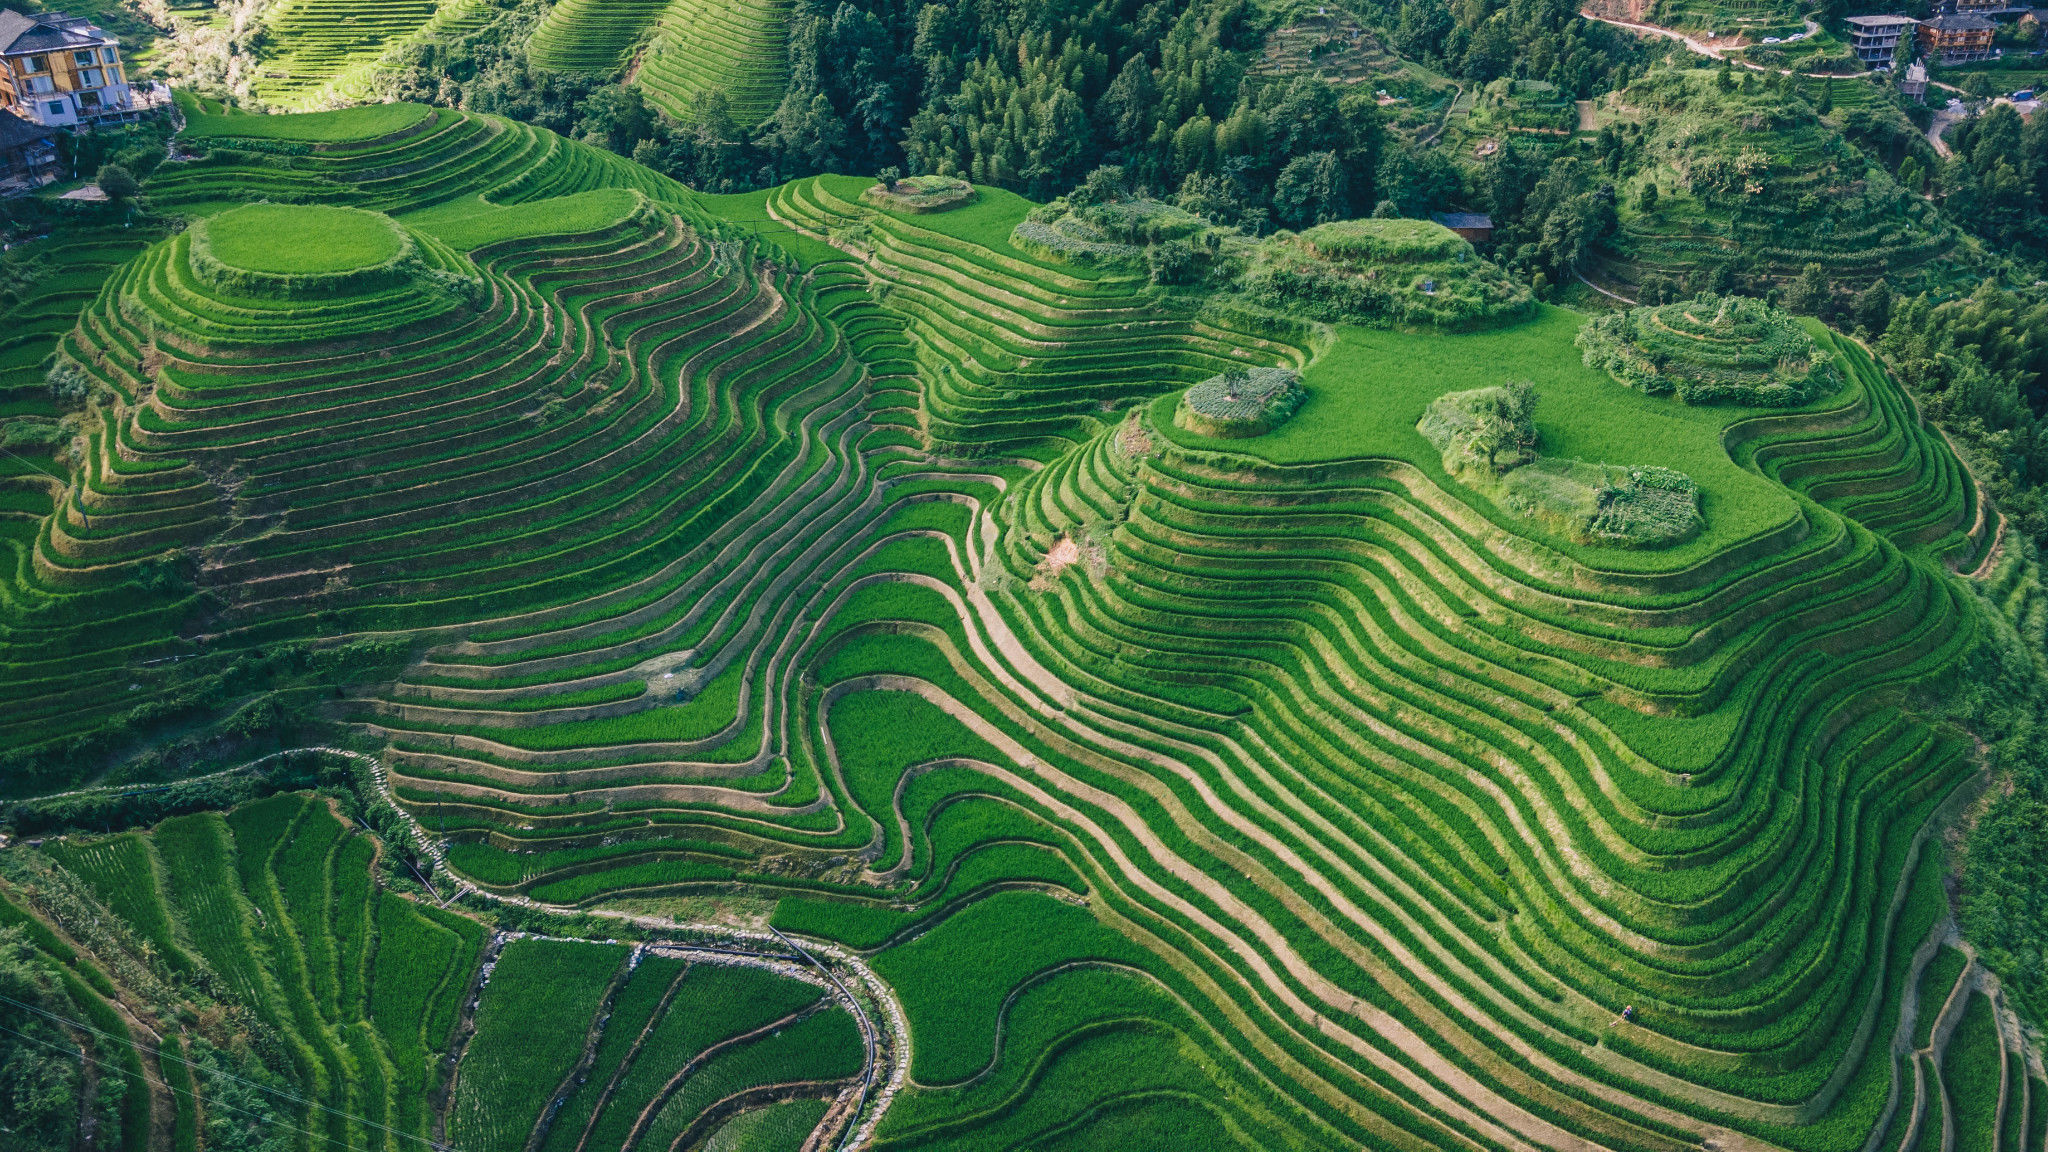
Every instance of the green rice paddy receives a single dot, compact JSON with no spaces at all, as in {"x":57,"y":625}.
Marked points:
{"x":296,"y":240}
{"x":845,"y":567}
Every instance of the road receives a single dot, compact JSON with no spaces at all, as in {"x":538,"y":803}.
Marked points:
{"x":1700,"y":46}
{"x":1943,"y":117}
{"x":1704,"y":48}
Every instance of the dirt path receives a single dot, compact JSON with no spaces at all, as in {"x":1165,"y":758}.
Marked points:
{"x":884,"y":1028}
{"x":1699,"y":46}
{"x":1436,"y":133}
{"x":1712,"y":51}
{"x":1603,"y":291}
{"x":591,"y":1040}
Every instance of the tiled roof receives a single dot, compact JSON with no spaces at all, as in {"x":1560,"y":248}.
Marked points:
{"x":15,"y":131}
{"x":1881,"y":21}
{"x":1462,"y":219}
{"x":49,"y":32}
{"x":1960,"y":22}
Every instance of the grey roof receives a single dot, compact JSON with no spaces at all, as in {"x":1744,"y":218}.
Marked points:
{"x":1880,"y":21}
{"x":1959,"y":22}
{"x":1462,"y":219}
{"x":48,"y":32}
{"x":16,"y":132}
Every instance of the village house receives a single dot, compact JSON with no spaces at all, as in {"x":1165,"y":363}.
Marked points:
{"x":1876,"y":39}
{"x":28,"y":154}
{"x":1471,"y":225}
{"x":60,"y":71}
{"x":1957,"y":37}
{"x":1914,"y":86}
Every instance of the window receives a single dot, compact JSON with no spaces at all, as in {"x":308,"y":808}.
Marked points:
{"x":110,"y":54}
{"x":90,"y":78}
{"x":56,"y":107}
{"x":88,"y":99}
{"x":41,"y":85}
{"x":84,"y":59}
{"x":38,"y":64}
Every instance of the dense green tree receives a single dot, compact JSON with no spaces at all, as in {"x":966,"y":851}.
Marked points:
{"x":118,"y":183}
{"x":1811,"y":294}
{"x":1312,"y":189}
{"x":1564,"y":216}
{"x":1482,"y":40}
{"x":1874,"y":307}
{"x":616,"y":117}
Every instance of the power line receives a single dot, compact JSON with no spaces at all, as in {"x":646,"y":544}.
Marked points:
{"x":167,"y":1086}
{"x":161,"y":1055}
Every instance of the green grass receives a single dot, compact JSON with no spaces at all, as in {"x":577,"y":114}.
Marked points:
{"x":987,"y":221}
{"x":1970,"y":1069}
{"x":422,"y":969}
{"x":297,"y":240}
{"x":471,"y":222}
{"x":341,"y":125}
{"x":1936,"y":980}
{"x":749,"y":210}
{"x":529,"y":1033}
{"x":953,"y":979}
{"x":776,"y":1128}
{"x":1366,"y":393}
{"x":713,"y":1003}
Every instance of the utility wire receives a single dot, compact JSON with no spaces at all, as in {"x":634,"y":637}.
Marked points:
{"x":257,"y":1085}
{"x":192,"y":1092}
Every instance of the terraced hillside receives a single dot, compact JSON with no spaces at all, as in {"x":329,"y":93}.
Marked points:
{"x":325,"y":47}
{"x":592,"y":35}
{"x":285,"y":986}
{"x":391,"y":157}
{"x":1055,"y":629}
{"x":45,"y":284}
{"x":1755,"y":182}
{"x":676,"y":51}
{"x":740,"y":49}
{"x":852,"y":575}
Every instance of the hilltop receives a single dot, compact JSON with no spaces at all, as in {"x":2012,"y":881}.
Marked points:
{"x":1751,"y":185}
{"x":1215,"y":714}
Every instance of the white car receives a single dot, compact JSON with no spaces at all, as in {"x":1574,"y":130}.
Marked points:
{"x":1773,"y":40}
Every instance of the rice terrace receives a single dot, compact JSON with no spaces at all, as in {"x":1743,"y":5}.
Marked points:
{"x":783,"y":576}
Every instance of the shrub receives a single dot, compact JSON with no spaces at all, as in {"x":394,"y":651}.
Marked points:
{"x":1241,"y":403}
{"x":1487,"y":438}
{"x":918,"y":193}
{"x":1711,"y":350}
{"x":1095,"y":229}
{"x":1384,"y":271}
{"x":1485,"y":432}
